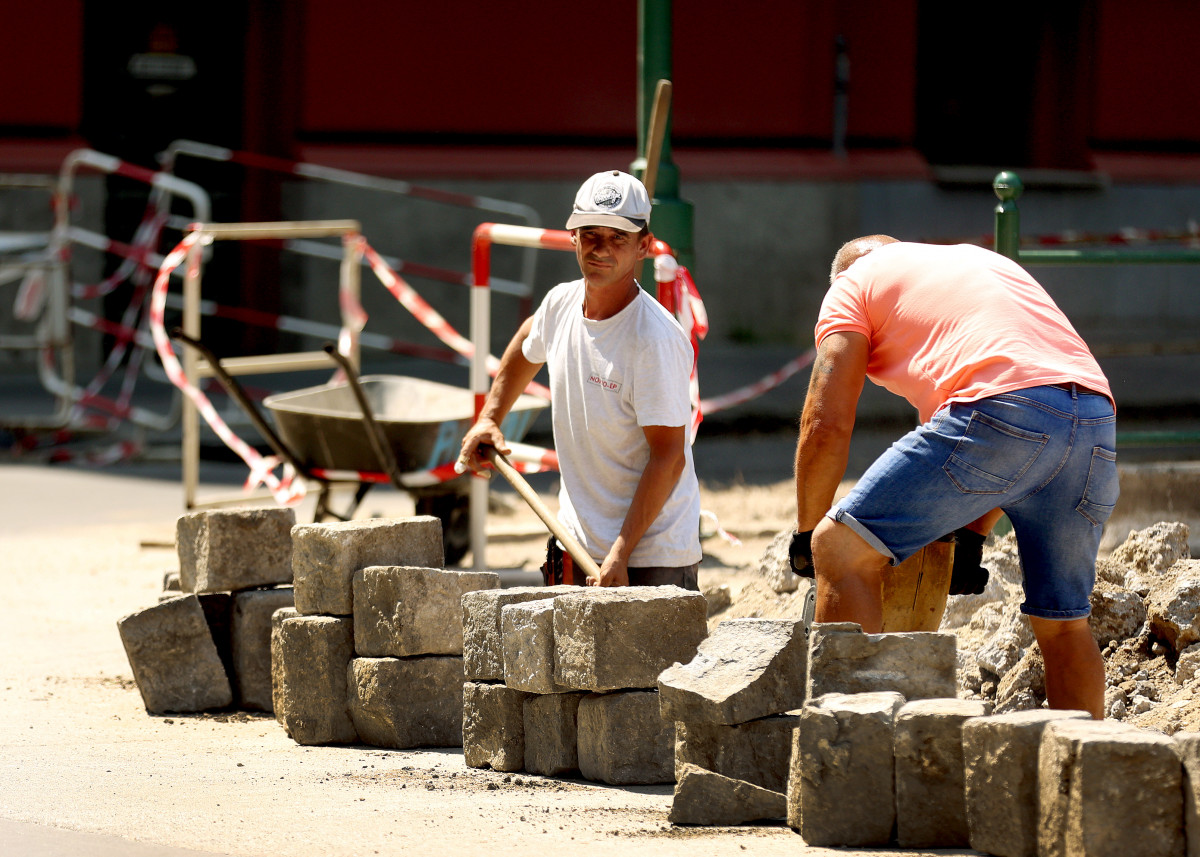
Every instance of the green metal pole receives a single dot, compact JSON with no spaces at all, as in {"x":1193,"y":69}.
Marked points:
{"x":1007,"y":186}
{"x":672,"y":219}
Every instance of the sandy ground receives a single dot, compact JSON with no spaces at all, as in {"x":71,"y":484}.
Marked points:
{"x":84,"y":768}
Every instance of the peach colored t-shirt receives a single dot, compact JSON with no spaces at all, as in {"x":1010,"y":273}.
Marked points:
{"x":955,"y":324}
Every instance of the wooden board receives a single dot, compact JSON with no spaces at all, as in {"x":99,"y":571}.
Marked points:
{"x":914,"y":592}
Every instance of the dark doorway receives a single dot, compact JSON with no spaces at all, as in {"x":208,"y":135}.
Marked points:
{"x":1004,"y":85}
{"x":155,"y":73}
{"x":975,"y":81}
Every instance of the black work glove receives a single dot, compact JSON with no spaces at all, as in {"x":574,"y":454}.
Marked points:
{"x":968,"y":576}
{"x":800,"y":553}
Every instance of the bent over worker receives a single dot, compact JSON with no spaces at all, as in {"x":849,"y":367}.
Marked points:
{"x":619,"y":365}
{"x":1016,"y":416}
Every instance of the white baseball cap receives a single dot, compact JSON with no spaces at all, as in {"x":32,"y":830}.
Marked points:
{"x":611,"y":198}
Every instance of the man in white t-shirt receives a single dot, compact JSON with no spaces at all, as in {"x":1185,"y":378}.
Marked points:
{"x":619,"y":366}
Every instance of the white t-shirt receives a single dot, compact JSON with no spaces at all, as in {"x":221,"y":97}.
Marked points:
{"x":609,"y":378}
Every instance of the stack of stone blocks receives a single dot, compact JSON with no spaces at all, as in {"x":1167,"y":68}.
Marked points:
{"x":372,"y":651}
{"x":734,"y":708}
{"x":563,"y":679}
{"x":206,"y":644}
{"x":884,"y":754}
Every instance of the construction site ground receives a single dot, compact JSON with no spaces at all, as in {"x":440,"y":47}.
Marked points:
{"x":84,"y":768}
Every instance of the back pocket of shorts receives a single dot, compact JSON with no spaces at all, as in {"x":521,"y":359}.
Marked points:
{"x":1102,"y":488}
{"x":992,"y":455}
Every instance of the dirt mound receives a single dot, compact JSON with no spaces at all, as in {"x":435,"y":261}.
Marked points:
{"x":1145,"y":616}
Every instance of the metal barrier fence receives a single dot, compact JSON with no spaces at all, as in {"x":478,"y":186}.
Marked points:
{"x":1008,"y":187}
{"x":522,"y":289}
{"x":49,"y":299}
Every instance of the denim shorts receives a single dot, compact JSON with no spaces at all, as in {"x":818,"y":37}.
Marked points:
{"x":1045,"y":455}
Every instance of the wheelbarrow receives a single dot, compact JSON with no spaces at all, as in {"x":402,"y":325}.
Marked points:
{"x":374,"y":429}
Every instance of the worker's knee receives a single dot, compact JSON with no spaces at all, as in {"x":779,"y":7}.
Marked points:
{"x":838,"y":552}
{"x":1051,"y":633}
{"x":1064,"y":642}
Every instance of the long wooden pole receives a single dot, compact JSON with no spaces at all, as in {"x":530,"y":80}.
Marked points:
{"x":582,"y":560}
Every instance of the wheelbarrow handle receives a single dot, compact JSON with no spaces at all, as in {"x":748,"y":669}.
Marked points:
{"x":584,"y":561}
{"x":375,"y":435}
{"x":238,"y":393}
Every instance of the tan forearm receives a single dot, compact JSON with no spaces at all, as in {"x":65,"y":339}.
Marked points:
{"x":655,"y":486}
{"x":821,"y":457}
{"x":512,"y":377}
{"x":827,"y":424}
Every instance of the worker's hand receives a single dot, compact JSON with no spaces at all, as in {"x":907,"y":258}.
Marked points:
{"x":800,"y":553}
{"x":968,"y":577}
{"x":613,"y":572}
{"x":485,"y":432}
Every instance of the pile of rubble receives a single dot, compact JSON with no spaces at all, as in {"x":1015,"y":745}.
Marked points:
{"x":1145,"y":617}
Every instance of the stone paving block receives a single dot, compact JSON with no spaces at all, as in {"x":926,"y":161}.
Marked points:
{"x":624,"y":637}
{"x":1000,"y":779}
{"x":278,"y":697}
{"x":250,"y":639}
{"x":841,"y":791}
{"x":705,"y":797}
{"x":527,"y":637}
{"x":552,"y":733}
{"x":930,"y":808}
{"x":218,"y":613}
{"x":483,"y":647}
{"x":226,"y":550}
{"x":758,"y":752}
{"x":747,"y":668}
{"x":325,"y":556}
{"x":405,"y":611}
{"x":314,"y":654}
{"x":623,"y":741}
{"x":407,"y":702}
{"x":493,"y":726}
{"x":1108,"y":789}
{"x":917,"y":665}
{"x":1187,"y":745}
{"x":173,"y":657}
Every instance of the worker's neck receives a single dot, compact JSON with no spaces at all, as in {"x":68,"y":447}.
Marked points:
{"x":605,"y":301}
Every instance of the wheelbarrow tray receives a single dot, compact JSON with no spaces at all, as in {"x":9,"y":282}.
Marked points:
{"x":423,"y":421}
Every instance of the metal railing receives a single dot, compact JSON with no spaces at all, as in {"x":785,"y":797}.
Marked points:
{"x":1008,"y":187}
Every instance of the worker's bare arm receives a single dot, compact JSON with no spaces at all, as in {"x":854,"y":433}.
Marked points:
{"x":668,"y":457}
{"x":513,"y":376}
{"x":827,"y":422}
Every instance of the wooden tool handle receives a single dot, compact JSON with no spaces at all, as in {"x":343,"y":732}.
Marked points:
{"x":582,"y":560}
{"x":656,"y":130}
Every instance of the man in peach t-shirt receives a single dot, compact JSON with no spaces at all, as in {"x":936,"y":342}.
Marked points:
{"x":1016,"y":418}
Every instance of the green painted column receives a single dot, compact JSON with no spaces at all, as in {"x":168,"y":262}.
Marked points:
{"x":672,"y":219}
{"x":1007,"y":186}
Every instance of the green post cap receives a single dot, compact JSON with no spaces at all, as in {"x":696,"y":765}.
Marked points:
{"x":1007,"y":185}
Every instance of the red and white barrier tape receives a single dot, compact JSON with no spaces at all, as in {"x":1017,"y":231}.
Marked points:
{"x":336,"y":176}
{"x":430,"y":317}
{"x":1120,"y":236}
{"x":289,"y":488}
{"x":693,"y":317}
{"x":767,"y":382}
{"x":286,"y":489}
{"x":524,"y":457}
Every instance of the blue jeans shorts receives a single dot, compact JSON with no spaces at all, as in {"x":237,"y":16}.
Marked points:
{"x":1045,"y":455}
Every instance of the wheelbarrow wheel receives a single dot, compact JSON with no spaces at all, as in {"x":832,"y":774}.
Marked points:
{"x":454,"y":511}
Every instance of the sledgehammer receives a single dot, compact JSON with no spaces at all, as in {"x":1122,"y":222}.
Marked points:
{"x":583,"y":561}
